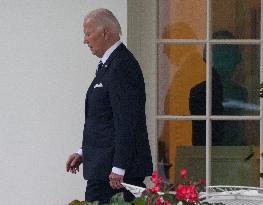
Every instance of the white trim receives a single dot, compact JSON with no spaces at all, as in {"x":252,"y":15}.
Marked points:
{"x":208,"y":93}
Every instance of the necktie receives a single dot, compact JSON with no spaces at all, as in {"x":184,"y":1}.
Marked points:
{"x":99,"y":67}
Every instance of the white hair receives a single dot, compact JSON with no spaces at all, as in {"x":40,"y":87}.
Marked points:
{"x":105,"y":18}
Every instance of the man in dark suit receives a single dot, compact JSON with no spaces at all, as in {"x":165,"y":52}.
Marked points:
{"x":115,"y":146}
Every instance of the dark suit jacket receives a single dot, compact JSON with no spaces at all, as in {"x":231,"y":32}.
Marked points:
{"x":115,"y":132}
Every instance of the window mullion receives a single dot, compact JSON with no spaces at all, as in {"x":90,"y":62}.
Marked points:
{"x":208,"y":93}
{"x":261,"y":105}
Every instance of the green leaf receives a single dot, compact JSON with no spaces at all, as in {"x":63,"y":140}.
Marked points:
{"x":139,"y":201}
{"x":117,"y":198}
{"x":250,"y":153}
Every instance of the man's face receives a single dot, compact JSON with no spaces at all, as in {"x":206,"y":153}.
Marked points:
{"x":94,"y":38}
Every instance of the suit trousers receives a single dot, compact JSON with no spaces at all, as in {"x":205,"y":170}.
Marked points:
{"x":101,"y":190}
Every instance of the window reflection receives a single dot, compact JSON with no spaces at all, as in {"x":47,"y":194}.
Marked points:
{"x":178,"y":12}
{"x":180,"y":68}
{"x":226,"y":57}
{"x":238,"y":166}
{"x":241,"y":162}
{"x":238,"y":69}
{"x":182,"y":89}
{"x":175,"y":150}
{"x":197,"y":106}
{"x":242,"y":17}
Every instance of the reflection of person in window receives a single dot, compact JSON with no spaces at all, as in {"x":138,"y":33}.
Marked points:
{"x":197,"y":106}
{"x":225,"y":59}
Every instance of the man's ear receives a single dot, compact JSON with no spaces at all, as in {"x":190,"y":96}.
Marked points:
{"x":106,"y":33}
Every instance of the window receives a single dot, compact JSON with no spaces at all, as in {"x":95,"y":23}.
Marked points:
{"x":207,"y":106}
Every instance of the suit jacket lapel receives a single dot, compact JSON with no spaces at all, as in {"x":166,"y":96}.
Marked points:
{"x":100,"y":74}
{"x":106,"y":65}
{"x":102,"y":71}
{"x":91,"y":86}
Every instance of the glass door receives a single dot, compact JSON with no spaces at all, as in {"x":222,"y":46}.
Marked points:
{"x":208,"y":109}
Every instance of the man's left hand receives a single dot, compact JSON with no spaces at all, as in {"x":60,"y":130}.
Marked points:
{"x":115,"y":180}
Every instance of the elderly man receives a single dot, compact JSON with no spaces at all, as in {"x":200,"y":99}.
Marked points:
{"x":115,"y":146}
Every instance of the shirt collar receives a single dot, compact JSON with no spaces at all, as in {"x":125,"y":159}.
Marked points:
{"x":109,"y":52}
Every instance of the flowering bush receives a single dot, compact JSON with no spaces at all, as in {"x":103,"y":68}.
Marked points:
{"x":185,"y":193}
{"x":162,"y":193}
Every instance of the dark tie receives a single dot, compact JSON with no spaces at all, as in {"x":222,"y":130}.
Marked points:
{"x":100,"y":65}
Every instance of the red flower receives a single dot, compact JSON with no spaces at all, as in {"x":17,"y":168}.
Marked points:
{"x":187,"y":193}
{"x":181,"y":191}
{"x":154,"y":189}
{"x":166,"y":203}
{"x":160,"y":179}
{"x":158,"y":201}
{"x":154,"y":176}
{"x":183,"y":173}
{"x":157,"y":182}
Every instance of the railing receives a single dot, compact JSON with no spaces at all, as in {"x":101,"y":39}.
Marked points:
{"x":227,"y":195}
{"x":233,"y":195}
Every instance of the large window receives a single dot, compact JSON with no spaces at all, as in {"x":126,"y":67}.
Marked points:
{"x":208,"y":112}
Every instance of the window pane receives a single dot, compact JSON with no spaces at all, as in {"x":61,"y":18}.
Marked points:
{"x":175,"y":150}
{"x":182,"y":19}
{"x":239,"y":17}
{"x":180,"y":68}
{"x":236,"y":160}
{"x":236,"y":79}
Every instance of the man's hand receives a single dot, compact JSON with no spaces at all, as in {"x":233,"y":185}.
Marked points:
{"x":115,"y":180}
{"x":73,"y":163}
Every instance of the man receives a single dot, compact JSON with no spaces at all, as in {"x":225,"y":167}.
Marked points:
{"x":115,"y":146}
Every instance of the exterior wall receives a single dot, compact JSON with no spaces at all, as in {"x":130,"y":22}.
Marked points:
{"x":44,"y":74}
